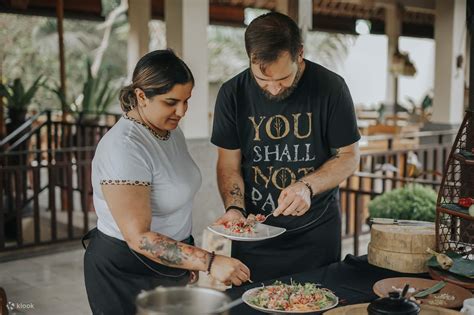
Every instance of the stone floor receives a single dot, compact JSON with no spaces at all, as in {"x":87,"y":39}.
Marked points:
{"x":54,"y":285}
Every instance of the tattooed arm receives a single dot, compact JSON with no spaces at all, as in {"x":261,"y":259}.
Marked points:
{"x":230,"y":182}
{"x":130,"y":207}
{"x":329,"y":175}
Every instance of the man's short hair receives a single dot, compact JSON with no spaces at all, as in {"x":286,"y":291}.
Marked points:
{"x":271,"y":34}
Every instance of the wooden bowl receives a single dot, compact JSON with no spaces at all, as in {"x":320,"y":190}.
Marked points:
{"x":361,"y":309}
{"x":458,"y":294}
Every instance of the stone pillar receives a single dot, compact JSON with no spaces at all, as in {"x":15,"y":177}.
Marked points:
{"x":448,"y":103}
{"x":186,"y":34}
{"x":139,"y":14}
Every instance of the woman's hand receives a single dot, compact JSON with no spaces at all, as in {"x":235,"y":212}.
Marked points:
{"x":226,"y":269}
{"x":193,"y":276}
{"x":229,"y":216}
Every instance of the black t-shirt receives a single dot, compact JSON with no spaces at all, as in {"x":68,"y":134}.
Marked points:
{"x":282,"y":141}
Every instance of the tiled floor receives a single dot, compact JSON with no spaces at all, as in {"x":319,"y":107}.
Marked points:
{"x":51,"y":284}
{"x":54,"y":284}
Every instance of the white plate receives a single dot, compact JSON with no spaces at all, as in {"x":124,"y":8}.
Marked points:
{"x":262,"y":232}
{"x":247,"y":294}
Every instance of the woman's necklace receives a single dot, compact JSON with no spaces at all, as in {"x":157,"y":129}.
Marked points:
{"x":164,"y":137}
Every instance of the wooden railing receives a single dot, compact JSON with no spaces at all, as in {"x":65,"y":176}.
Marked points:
{"x":379,"y":172}
{"x":46,"y":178}
{"x":45,"y":166}
{"x":37,"y":190}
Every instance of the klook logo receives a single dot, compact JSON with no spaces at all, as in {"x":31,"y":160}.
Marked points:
{"x":11,"y":306}
{"x":20,"y":306}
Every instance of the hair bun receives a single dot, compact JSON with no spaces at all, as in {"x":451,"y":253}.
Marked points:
{"x":127,"y":98}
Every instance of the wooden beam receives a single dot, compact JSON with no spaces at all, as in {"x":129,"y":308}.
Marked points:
{"x":62,"y":64}
{"x":228,"y":15}
{"x":343,"y":25}
{"x":84,"y":9}
{"x":470,"y":26}
{"x":2,"y":112}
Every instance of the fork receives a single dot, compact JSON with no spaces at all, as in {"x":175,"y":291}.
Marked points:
{"x":266,"y":217}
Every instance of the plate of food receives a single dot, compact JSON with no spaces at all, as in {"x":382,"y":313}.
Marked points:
{"x":449,"y":296}
{"x":247,"y":230}
{"x":290,"y":298}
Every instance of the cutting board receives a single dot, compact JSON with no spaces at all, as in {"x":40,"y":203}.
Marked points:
{"x":401,"y":248}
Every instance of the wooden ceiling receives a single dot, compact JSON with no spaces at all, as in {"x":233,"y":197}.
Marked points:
{"x":328,"y":15}
{"x":77,"y":9}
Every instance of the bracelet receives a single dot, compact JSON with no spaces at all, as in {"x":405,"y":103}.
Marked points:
{"x":241,"y":210}
{"x":211,"y":260}
{"x":307,"y":185}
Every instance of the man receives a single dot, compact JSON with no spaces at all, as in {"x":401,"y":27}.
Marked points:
{"x":287,"y":137}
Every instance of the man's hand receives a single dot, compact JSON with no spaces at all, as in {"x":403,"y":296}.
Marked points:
{"x":294,"y":200}
{"x":230,"y":215}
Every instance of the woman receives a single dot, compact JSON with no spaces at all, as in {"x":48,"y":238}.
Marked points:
{"x":144,"y":182}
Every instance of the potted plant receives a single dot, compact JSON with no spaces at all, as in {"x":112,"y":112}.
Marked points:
{"x":411,"y":202}
{"x":18,"y":99}
{"x":97,"y":95}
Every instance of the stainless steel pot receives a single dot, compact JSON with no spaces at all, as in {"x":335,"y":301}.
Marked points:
{"x":182,"y":301}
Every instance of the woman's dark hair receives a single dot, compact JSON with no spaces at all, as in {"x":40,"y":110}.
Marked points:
{"x":271,"y":34}
{"x":155,"y":73}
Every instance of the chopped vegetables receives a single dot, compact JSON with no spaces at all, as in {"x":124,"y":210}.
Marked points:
{"x":240,"y":226}
{"x":444,"y":296}
{"x":293,"y":297}
{"x":244,"y":226}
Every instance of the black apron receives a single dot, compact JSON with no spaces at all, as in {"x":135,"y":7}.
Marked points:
{"x":114,"y":274}
{"x":301,"y":249}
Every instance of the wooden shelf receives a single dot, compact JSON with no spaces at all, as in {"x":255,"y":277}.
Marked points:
{"x":459,"y":213}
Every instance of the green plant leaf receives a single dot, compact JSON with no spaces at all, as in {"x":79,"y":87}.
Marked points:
{"x":97,"y":92}
{"x":412,"y":202}
{"x":15,"y":93}
{"x":30,"y":93}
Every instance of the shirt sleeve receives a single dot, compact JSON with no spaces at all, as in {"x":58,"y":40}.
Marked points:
{"x":123,"y":163}
{"x":224,"y":130}
{"x":342,"y":125}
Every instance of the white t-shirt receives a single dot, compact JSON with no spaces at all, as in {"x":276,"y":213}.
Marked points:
{"x":130,"y":154}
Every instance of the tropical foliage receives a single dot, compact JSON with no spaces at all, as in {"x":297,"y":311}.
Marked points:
{"x":411,"y":202}
{"x":98,"y":93}
{"x":17,"y":96}
{"x":30,"y":46}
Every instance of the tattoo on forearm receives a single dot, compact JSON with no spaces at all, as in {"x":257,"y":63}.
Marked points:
{"x":168,"y":252}
{"x":235,"y":192}
{"x":236,"y":195}
{"x":171,"y":252}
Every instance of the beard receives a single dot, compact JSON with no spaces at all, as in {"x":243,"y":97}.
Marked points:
{"x":286,"y":92}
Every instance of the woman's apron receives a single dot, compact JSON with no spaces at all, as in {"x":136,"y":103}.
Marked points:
{"x":115,"y":274}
